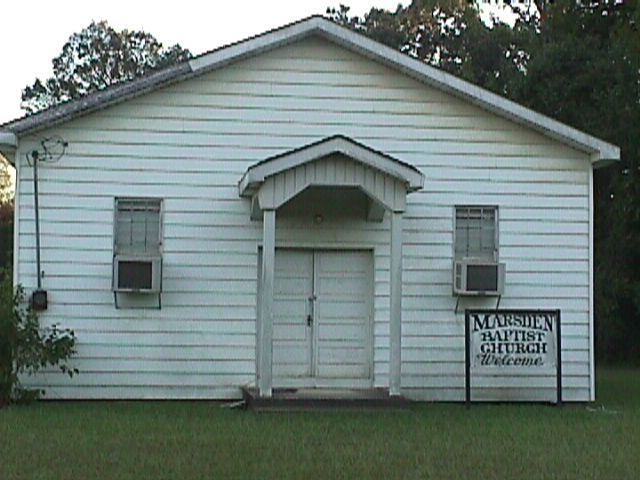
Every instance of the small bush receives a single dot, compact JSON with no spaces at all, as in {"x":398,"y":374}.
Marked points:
{"x":25,"y":346}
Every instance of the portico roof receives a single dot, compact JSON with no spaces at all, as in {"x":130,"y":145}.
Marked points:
{"x":256,"y":174}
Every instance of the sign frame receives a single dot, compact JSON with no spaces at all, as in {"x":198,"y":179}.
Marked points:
{"x":467,"y":344}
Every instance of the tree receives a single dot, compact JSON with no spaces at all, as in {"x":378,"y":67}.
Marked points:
{"x":96,"y":58}
{"x":6,"y":191}
{"x":25,"y":346}
{"x":575,"y":61}
{"x":6,"y":215}
{"x":447,"y":34}
{"x":583,"y":69}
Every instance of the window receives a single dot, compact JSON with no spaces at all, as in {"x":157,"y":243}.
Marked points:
{"x":476,"y":233}
{"x":138,"y":226}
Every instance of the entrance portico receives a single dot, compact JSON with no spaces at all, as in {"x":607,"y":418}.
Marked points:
{"x":336,"y":163}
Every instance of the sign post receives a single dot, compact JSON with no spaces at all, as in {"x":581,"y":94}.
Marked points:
{"x":512,"y":343}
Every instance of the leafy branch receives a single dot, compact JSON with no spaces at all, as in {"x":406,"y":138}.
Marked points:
{"x":25,"y":346}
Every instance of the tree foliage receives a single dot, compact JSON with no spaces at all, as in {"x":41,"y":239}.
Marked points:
{"x":6,"y":215}
{"x":584,"y":70}
{"x":578,"y":62}
{"x":96,"y":58}
{"x":6,"y":192}
{"x":447,"y":34}
{"x":25,"y":346}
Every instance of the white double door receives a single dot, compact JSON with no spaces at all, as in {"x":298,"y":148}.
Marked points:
{"x":322,"y":325}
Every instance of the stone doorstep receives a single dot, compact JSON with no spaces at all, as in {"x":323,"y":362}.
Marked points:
{"x":309,"y":399}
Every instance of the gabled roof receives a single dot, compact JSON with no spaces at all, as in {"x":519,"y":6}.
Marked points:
{"x":316,"y":25}
{"x":258,"y":172}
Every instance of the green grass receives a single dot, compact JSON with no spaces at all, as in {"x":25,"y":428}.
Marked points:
{"x":176,"y":440}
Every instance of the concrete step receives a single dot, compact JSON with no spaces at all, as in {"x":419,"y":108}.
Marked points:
{"x":308,"y":399}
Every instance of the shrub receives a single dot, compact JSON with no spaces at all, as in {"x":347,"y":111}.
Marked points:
{"x":25,"y":346}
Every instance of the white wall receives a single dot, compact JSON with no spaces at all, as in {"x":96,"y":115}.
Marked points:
{"x":190,"y":144}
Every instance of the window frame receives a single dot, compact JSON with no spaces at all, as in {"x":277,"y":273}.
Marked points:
{"x":141,"y":200}
{"x":496,"y":231}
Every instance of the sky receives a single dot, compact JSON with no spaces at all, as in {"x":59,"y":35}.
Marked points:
{"x":33,"y":32}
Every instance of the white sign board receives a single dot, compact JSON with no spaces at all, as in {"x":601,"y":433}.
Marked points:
{"x":508,"y":343}
{"x":522,"y":339}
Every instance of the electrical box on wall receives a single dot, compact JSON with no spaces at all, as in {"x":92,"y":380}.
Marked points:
{"x":39,"y":300}
{"x":475,"y":277}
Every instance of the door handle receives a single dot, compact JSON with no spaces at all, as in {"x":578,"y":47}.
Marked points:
{"x":310,"y":310}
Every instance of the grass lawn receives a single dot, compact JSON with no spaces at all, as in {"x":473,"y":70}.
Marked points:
{"x":176,"y":440}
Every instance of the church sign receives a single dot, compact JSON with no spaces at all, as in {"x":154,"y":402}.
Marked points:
{"x":512,"y":342}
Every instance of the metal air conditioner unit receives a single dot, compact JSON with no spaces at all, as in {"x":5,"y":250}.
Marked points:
{"x":478,"y":277}
{"x":137,"y":274}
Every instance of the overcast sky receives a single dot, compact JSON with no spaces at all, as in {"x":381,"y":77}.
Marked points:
{"x":33,"y":32}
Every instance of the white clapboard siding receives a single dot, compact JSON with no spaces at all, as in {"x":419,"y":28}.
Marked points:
{"x":191,"y":142}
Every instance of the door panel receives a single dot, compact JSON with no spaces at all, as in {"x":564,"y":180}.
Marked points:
{"x":293,"y":284}
{"x":343,"y":311}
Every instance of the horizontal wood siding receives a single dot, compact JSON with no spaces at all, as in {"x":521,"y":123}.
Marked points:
{"x":190,"y":143}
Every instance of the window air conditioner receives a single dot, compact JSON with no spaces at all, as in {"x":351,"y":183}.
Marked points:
{"x":137,"y":274}
{"x":477,"y":277}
